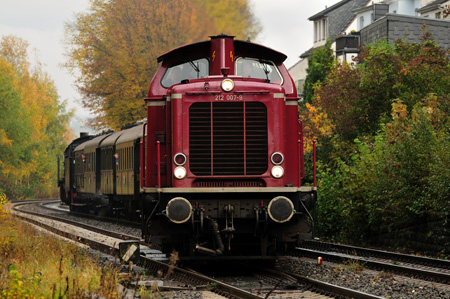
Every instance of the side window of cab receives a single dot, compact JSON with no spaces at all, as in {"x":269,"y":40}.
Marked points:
{"x":184,"y":71}
{"x":261,"y":69}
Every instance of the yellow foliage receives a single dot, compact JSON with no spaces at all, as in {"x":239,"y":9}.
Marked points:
{"x":232,"y":17}
{"x":2,"y":204}
{"x":4,"y":140}
{"x":431,"y":108}
{"x":31,"y":136}
{"x":112,"y":49}
{"x":400,"y":123}
{"x":399,"y":110}
{"x":317,"y":124}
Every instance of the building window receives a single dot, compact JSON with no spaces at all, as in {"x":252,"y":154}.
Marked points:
{"x":320,"y":30}
{"x":437,"y":15}
{"x":324,"y":29}
{"x":316,"y":31}
{"x":361,"y":22}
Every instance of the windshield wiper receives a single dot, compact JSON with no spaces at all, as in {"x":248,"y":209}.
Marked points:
{"x":266,"y":70}
{"x":195,"y":67}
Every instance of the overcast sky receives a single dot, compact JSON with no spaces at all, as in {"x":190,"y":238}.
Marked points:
{"x":41,"y":23}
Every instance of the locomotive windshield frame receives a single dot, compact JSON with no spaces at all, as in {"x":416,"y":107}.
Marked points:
{"x":194,"y":69}
{"x":258,"y":68}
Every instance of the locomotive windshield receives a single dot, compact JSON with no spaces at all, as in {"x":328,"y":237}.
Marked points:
{"x":184,"y":71}
{"x":261,"y":69}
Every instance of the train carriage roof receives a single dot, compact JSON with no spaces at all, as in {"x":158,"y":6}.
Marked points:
{"x":131,"y":134}
{"x":111,"y":139}
{"x":93,"y":143}
{"x":80,"y":147}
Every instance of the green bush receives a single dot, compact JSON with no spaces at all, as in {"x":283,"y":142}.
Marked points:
{"x":398,"y":178}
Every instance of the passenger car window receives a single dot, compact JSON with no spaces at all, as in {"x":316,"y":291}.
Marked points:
{"x":261,"y":69}
{"x":189,"y":70}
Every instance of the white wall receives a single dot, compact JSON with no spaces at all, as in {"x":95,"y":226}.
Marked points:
{"x":298,"y":72}
{"x":368,"y":19}
{"x":404,"y":7}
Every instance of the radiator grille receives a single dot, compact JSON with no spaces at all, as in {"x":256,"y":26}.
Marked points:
{"x":224,"y":183}
{"x":228,"y":138}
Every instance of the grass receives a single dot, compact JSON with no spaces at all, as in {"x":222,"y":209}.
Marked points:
{"x":354,"y":266}
{"x":35,"y":265}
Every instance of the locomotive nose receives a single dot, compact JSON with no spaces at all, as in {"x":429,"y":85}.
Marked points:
{"x":179,"y":210}
{"x":281,"y":209}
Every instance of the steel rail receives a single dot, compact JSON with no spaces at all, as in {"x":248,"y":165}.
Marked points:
{"x":360,"y":251}
{"x":219,"y":287}
{"x":92,"y":216}
{"x":317,"y":285}
{"x":335,"y":289}
{"x":378,"y":265}
{"x":79,"y":224}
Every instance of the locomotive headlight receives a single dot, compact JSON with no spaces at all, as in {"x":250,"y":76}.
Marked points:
{"x":277,"y":158}
{"x":277,"y":172}
{"x":179,"y":159}
{"x":179,"y":172}
{"x":227,"y":85}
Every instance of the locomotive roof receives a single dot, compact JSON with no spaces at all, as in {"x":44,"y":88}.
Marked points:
{"x":241,"y":48}
{"x":130,"y":134}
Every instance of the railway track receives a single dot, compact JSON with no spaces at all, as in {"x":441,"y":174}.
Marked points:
{"x":280,"y":282}
{"x":425,"y":268}
{"x":311,"y":285}
{"x":107,"y":241}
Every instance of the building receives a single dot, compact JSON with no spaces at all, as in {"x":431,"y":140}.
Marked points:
{"x":352,"y":23}
{"x":336,"y":20}
{"x":407,"y":20}
{"x":435,"y":9}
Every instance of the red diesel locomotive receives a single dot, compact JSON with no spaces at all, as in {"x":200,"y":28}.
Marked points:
{"x":217,"y":169}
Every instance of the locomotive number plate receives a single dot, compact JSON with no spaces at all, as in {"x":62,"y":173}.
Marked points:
{"x":228,"y":97}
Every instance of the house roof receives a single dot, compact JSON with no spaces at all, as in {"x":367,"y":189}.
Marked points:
{"x":339,"y":15}
{"x":324,"y":12}
{"x":431,"y":6}
{"x":307,"y":53}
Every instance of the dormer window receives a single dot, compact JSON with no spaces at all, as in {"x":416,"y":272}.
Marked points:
{"x":320,"y":30}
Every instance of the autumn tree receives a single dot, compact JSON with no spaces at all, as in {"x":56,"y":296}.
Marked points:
{"x":399,"y":178}
{"x":359,"y":99}
{"x":319,"y":65}
{"x":233,"y":17}
{"x":34,"y":124}
{"x":316,"y":122}
{"x":388,"y":163}
{"x":112,"y":49}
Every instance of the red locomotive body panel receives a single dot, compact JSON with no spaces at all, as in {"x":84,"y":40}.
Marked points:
{"x":222,"y":114}
{"x":168,"y":108}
